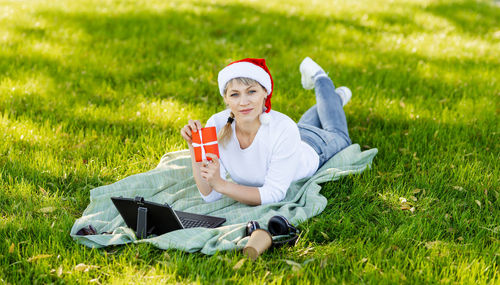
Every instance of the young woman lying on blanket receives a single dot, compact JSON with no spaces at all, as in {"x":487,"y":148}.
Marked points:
{"x":263,"y":150}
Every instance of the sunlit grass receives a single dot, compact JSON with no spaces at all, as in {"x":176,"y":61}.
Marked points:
{"x":94,"y":91}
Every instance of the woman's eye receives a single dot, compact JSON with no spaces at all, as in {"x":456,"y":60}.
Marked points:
{"x":252,"y":91}
{"x":234,"y":94}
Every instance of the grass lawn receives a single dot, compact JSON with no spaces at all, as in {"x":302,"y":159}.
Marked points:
{"x":94,"y":91}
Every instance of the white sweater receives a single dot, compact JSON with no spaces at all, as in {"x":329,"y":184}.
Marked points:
{"x":276,"y":157}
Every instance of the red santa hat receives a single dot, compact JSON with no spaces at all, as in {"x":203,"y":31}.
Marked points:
{"x":253,"y":68}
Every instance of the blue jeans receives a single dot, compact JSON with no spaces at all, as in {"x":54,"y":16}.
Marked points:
{"x":324,"y":126}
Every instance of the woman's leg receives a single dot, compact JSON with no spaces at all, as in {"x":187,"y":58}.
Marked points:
{"x":332,"y":136}
{"x":311,"y":117}
{"x":329,"y":107}
{"x":324,"y":126}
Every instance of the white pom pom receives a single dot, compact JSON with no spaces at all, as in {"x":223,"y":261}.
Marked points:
{"x":264,"y":118}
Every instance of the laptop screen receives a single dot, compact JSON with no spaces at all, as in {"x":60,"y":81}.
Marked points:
{"x":160,"y":218}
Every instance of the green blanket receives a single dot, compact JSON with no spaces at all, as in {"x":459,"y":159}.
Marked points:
{"x":172,"y":182}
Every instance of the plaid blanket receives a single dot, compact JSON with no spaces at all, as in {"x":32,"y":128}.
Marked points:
{"x":172,"y":182}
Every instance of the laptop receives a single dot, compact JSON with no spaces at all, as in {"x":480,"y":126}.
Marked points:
{"x":153,"y":218}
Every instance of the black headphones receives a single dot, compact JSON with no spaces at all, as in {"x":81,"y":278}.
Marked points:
{"x":277,"y":226}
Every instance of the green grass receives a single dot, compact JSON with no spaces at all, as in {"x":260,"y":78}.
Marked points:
{"x":94,"y":91}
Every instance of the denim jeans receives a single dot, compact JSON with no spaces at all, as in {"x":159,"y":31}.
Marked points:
{"x":324,"y":126}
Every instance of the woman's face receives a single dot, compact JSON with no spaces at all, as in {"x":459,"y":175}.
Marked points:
{"x":245,"y":101}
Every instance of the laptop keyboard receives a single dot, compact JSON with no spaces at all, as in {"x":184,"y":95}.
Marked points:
{"x":188,"y":223}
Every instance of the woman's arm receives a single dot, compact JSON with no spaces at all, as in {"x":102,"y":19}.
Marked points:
{"x":244,"y":194}
{"x":210,"y":172}
{"x":186,"y":133}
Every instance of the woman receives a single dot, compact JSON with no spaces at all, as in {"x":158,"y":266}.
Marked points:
{"x":263,"y":150}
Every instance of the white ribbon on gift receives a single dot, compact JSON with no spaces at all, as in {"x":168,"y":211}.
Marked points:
{"x":203,"y":154}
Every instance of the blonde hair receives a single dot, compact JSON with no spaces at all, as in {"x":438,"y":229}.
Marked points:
{"x":226,"y":132}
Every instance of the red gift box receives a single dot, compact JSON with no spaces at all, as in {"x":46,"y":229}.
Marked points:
{"x":205,"y":142}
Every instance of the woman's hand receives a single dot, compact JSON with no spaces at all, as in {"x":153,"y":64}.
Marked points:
{"x":210,"y":171}
{"x":187,"y":130}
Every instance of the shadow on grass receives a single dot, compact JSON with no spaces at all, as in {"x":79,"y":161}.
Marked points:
{"x":164,"y":55}
{"x":473,"y":17}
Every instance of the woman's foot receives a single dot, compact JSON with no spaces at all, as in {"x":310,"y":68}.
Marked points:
{"x":310,"y":70}
{"x":344,"y":93}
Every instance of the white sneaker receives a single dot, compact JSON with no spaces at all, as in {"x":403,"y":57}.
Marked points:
{"x":344,"y":93}
{"x":309,"y":70}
